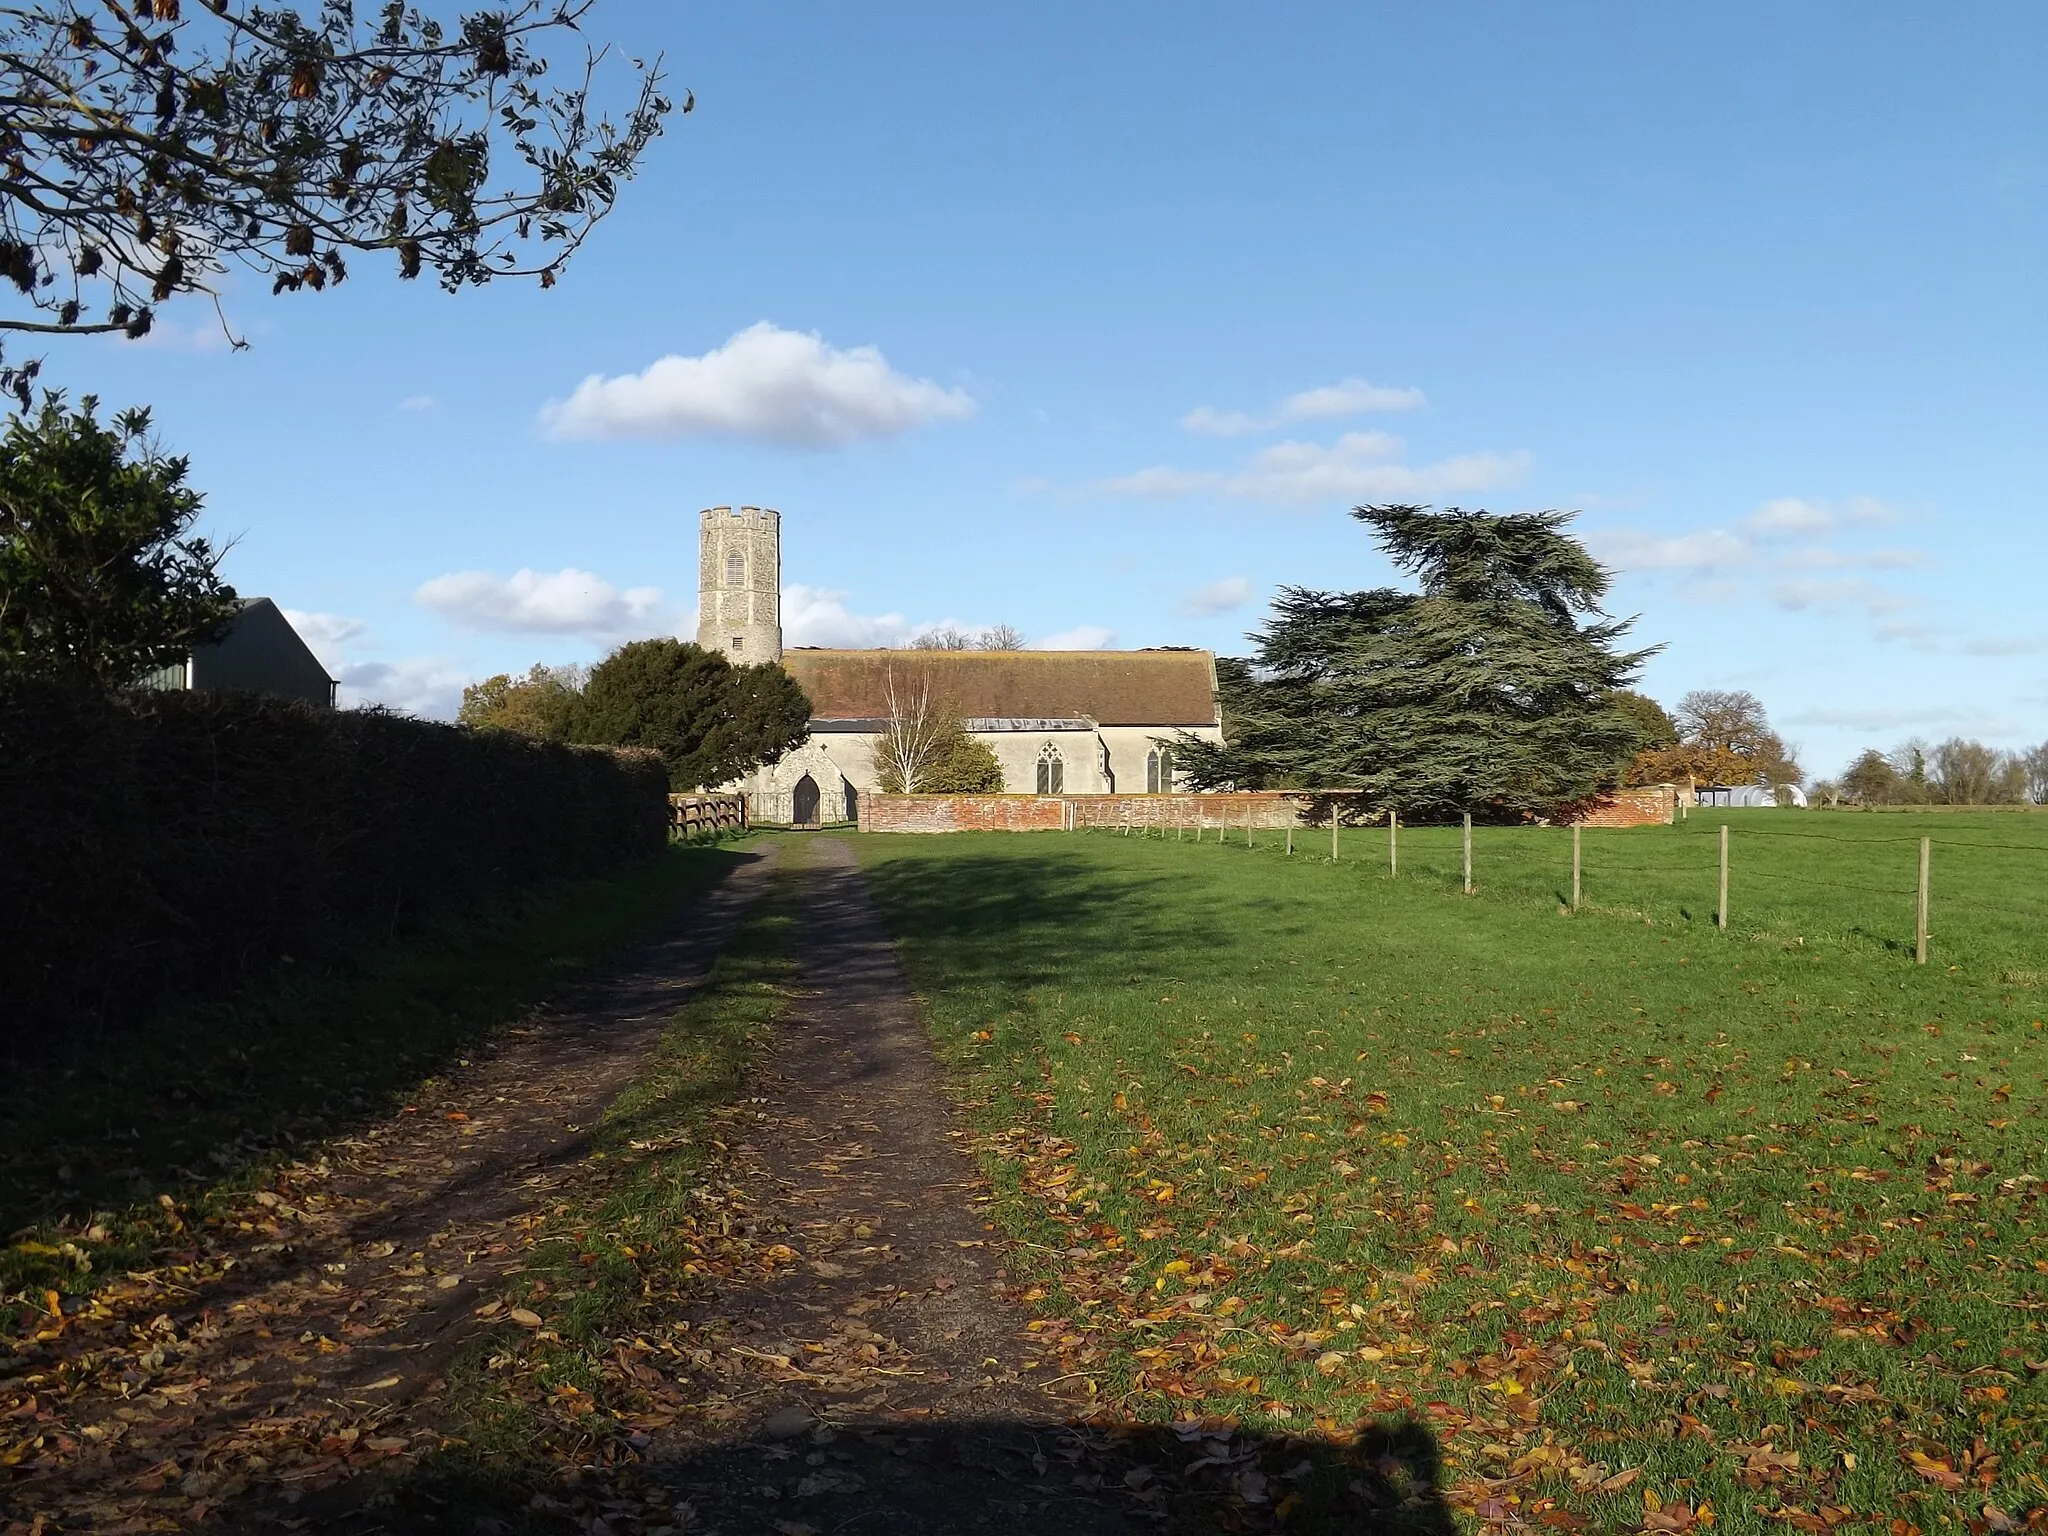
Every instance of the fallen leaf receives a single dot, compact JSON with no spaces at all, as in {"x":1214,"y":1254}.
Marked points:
{"x":525,"y":1317}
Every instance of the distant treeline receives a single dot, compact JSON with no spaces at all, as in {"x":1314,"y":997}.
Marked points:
{"x":159,"y":846}
{"x":1953,"y":772}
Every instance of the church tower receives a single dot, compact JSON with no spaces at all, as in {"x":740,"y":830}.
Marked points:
{"x":739,"y":583}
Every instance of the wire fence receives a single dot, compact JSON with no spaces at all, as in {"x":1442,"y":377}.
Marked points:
{"x":1927,"y":892}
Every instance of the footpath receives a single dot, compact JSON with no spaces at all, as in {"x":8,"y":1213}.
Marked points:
{"x":874,"y":1382}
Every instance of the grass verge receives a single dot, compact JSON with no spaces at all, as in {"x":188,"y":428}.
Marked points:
{"x":201,"y":1102}
{"x":566,"y":1382}
{"x":1656,"y":1227}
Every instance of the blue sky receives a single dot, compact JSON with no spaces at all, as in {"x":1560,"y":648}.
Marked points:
{"x":1096,"y":319}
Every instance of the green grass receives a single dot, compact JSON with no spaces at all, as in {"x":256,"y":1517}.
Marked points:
{"x":1608,"y":1198}
{"x":202,"y":1101}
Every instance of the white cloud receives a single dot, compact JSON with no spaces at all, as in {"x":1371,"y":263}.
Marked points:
{"x":564,"y":602}
{"x":1707,"y":550}
{"x":1349,"y":397}
{"x":1911,"y":717}
{"x":1357,"y":467}
{"x":1082,"y":637}
{"x":764,"y":383}
{"x":418,"y":403}
{"x":1788,"y":517}
{"x":1819,"y":557}
{"x":1833,"y":594}
{"x":419,"y":685}
{"x":1868,"y":509}
{"x":1161,"y":480}
{"x":325,"y":633}
{"x":2004,"y":645}
{"x":817,"y":616}
{"x":1218,"y":597}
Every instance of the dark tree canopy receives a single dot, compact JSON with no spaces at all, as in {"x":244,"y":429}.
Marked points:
{"x":147,"y":145}
{"x":101,"y":577}
{"x":1492,"y":689}
{"x":712,"y":722}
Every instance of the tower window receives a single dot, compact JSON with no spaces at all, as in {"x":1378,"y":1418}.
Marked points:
{"x":739,"y":643}
{"x":735,"y":570}
{"x":1052,"y":770}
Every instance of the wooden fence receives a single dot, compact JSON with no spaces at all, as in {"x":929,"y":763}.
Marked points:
{"x":694,"y":815}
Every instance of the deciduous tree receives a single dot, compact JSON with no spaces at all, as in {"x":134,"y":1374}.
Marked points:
{"x":1490,"y":689}
{"x":542,"y":703}
{"x":2035,"y":762}
{"x":1732,"y":725}
{"x":150,"y":144}
{"x":101,"y":577}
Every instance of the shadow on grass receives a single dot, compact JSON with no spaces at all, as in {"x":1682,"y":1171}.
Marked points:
{"x":1014,"y":922}
{"x":103,"y":1120}
{"x":896,"y":1477}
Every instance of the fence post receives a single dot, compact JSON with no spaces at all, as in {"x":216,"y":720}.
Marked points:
{"x":1393,"y":843}
{"x":1920,"y":922}
{"x":1334,"y":815}
{"x":1468,"y":853}
{"x":1721,"y":911}
{"x":1247,"y":823}
{"x":1575,"y":866}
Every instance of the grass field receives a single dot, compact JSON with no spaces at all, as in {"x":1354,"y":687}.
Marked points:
{"x":1656,"y":1226}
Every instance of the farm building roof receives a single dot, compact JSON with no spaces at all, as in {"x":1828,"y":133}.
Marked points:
{"x":1108,"y":687}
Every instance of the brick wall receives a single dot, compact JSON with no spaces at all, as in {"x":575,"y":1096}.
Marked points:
{"x":1652,"y":805}
{"x":1036,"y":813}
{"x":962,"y":813}
{"x":1267,"y":808}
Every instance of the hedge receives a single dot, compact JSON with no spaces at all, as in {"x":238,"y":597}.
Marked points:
{"x":156,"y":847}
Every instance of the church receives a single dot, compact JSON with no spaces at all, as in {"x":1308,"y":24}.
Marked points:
{"x":1059,"y":722}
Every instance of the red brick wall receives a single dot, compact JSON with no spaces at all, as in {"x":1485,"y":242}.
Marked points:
{"x":1653,"y":805}
{"x":1268,"y":808}
{"x":962,"y":813}
{"x":1047,"y":813}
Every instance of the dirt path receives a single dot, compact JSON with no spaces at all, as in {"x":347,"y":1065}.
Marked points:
{"x":295,"y":1344}
{"x":871,"y":1380}
{"x":877,"y":1381}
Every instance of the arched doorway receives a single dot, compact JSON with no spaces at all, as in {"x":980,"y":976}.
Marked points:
{"x":804,"y":802}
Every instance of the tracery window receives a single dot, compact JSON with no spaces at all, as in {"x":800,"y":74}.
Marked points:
{"x":735,"y":570}
{"x":1052,"y":770}
{"x":1159,"y":771}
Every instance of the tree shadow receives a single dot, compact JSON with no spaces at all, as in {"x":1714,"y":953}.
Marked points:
{"x":1042,"y":913}
{"x":101,"y":1120}
{"x":895,"y":1476}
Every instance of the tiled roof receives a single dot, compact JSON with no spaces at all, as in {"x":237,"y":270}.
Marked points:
{"x":1109,"y":687}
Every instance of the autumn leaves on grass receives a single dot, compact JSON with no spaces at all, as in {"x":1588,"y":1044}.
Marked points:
{"x":1655,"y":1231}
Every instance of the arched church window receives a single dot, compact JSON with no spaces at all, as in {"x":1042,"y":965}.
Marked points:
{"x":735,"y":570}
{"x":1052,"y":770}
{"x":1165,"y":756}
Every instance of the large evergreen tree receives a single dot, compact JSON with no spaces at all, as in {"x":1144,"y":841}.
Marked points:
{"x":1491,"y":689}
{"x":712,"y":722}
